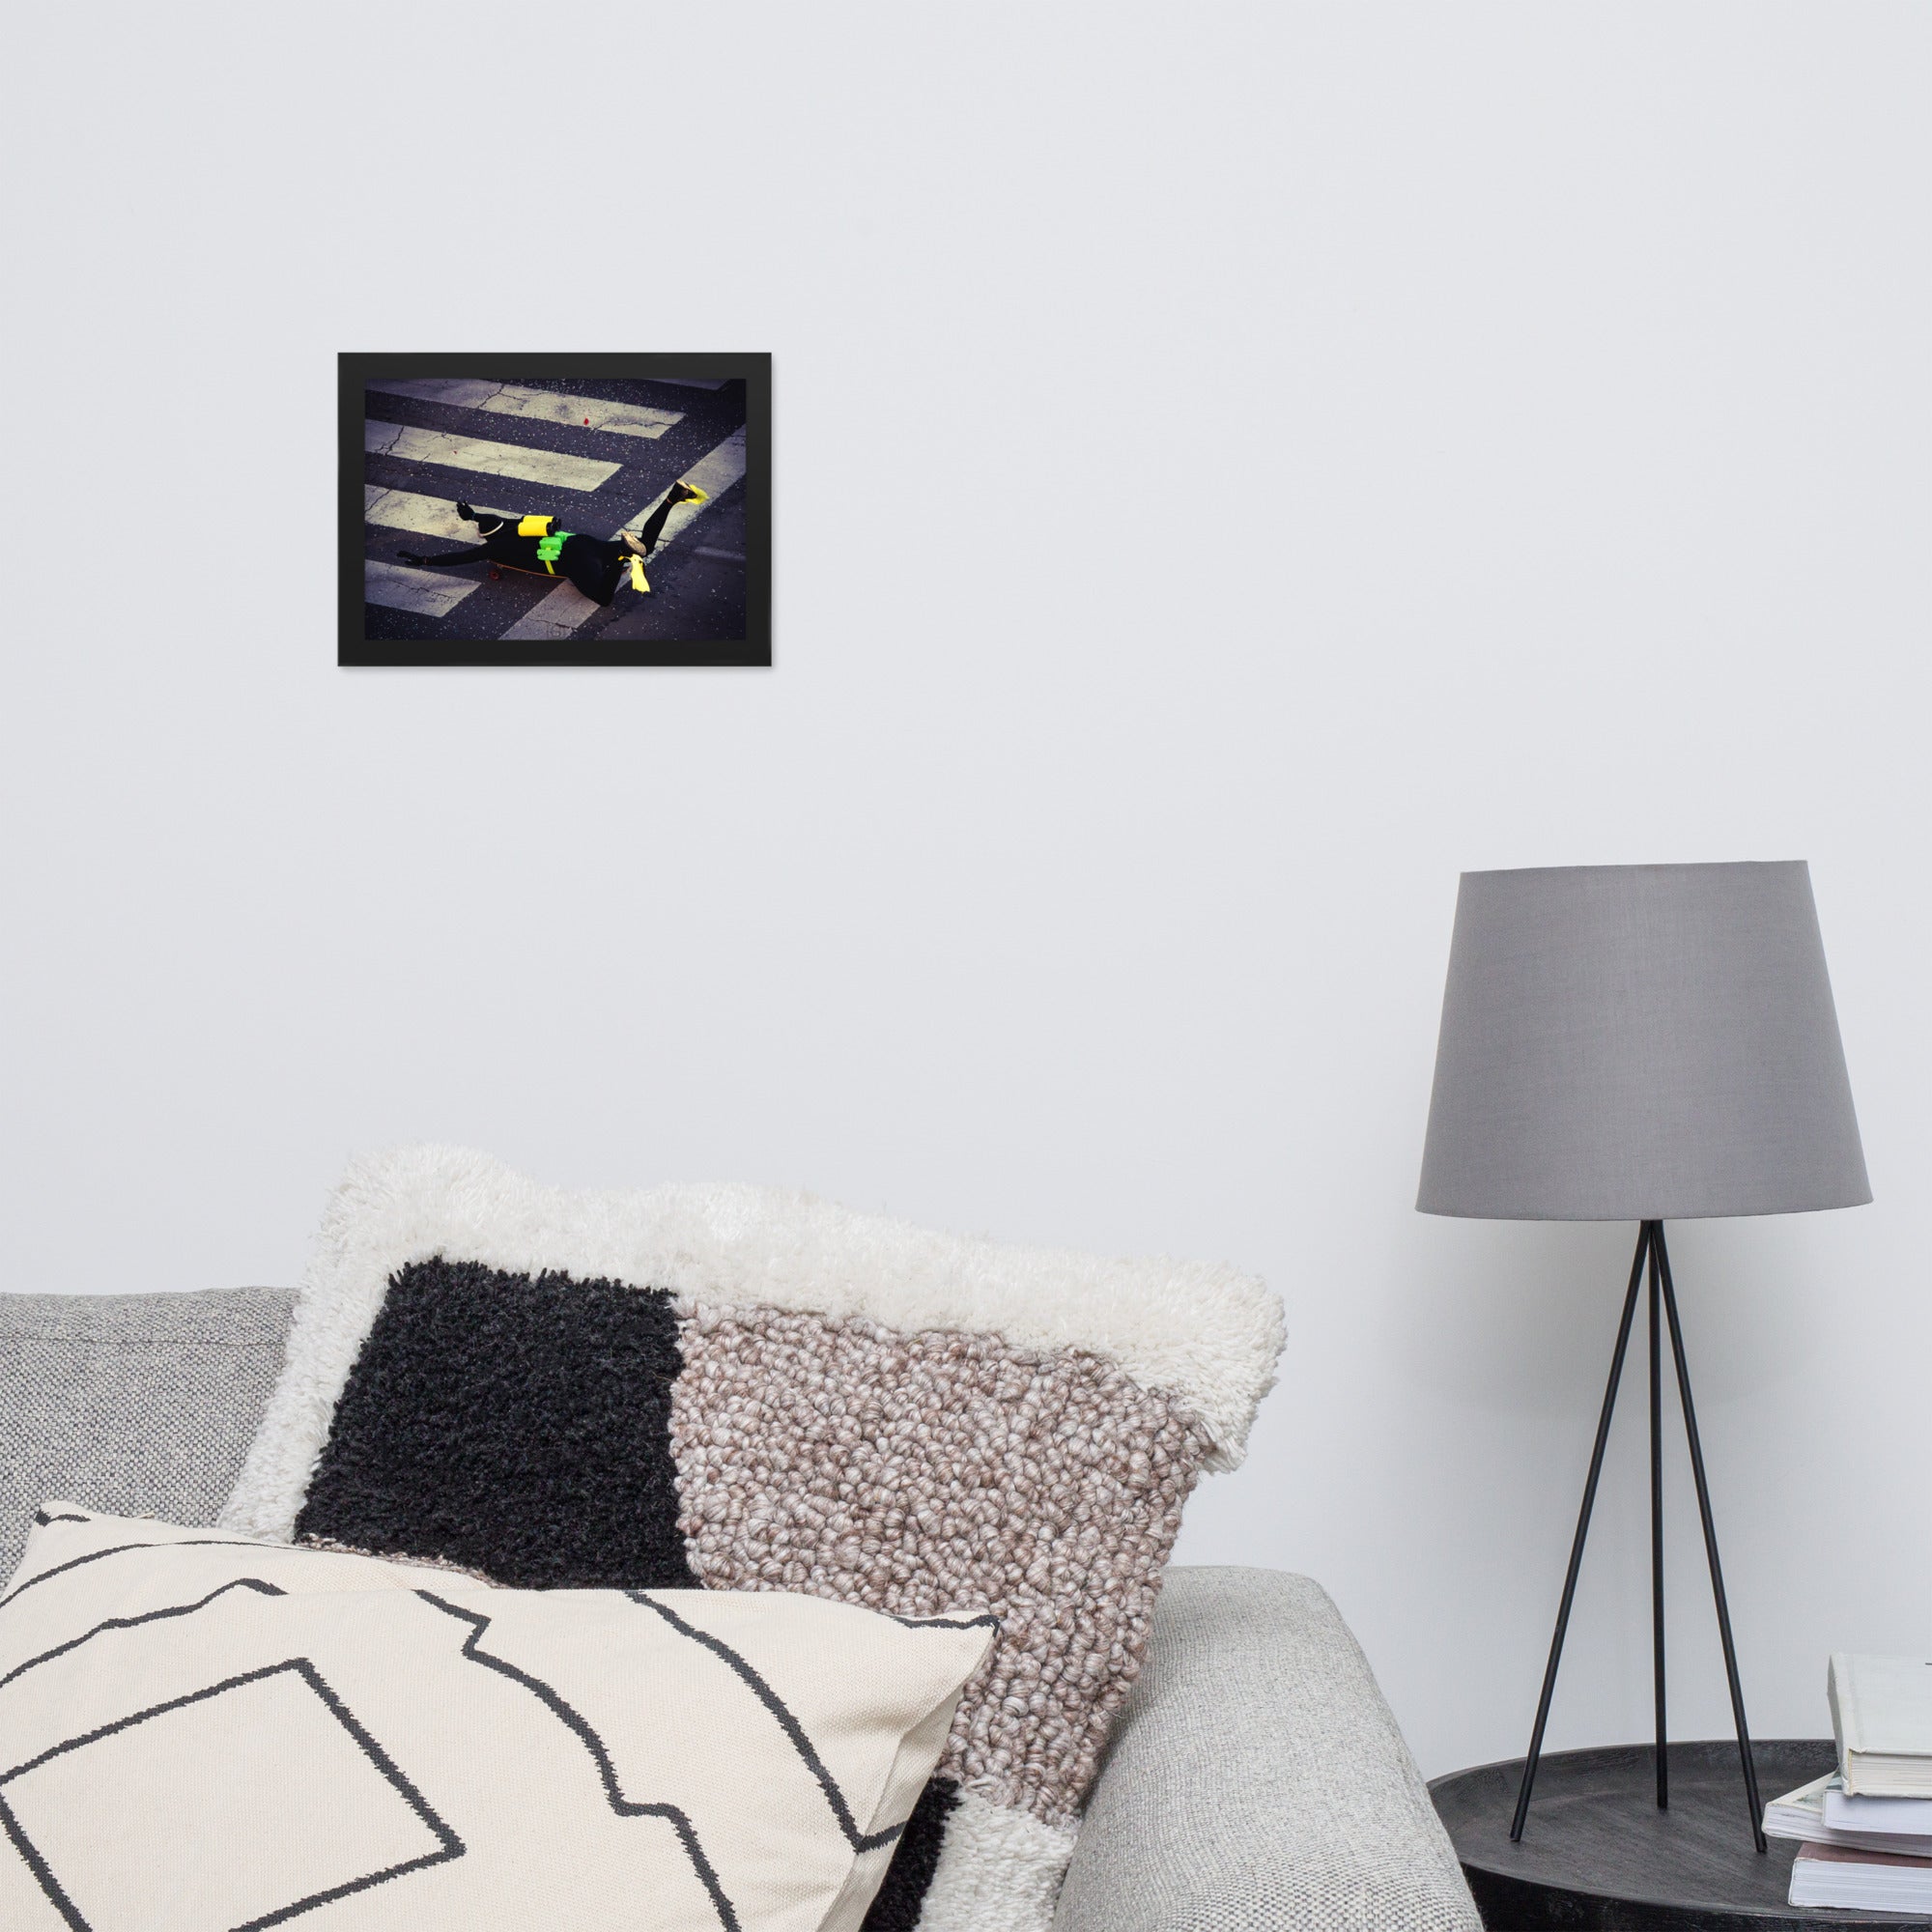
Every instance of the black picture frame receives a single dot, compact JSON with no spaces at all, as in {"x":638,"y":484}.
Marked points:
{"x":356,"y":369}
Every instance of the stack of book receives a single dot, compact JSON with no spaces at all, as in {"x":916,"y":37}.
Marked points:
{"x":1865,"y":1830}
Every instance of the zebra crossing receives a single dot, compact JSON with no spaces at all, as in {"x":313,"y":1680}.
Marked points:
{"x":512,"y":399}
{"x":407,"y":510}
{"x":518,"y":450}
{"x":487,"y":459}
{"x":425,"y":591}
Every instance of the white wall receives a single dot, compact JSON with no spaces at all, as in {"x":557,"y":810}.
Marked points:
{"x":1237,"y":468}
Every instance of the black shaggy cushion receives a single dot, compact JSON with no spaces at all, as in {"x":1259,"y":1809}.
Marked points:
{"x":510,"y":1424}
{"x":897,"y":1905}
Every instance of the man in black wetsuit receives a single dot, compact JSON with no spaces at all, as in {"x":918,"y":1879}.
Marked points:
{"x":536,"y":544}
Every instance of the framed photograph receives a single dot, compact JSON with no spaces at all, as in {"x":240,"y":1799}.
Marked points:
{"x":554,"y":509}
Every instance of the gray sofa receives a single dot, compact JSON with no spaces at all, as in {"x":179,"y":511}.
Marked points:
{"x":1256,"y":1778}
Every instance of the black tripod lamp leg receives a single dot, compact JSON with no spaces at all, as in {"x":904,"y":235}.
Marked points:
{"x":1582,"y":1531}
{"x":1711,"y":1544}
{"x":1657,"y":1519}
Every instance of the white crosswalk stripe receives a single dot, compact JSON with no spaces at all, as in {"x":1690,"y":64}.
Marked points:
{"x":490,"y":459}
{"x":566,"y":608}
{"x":508,"y":398}
{"x":430,"y":593}
{"x":405,"y":510}
{"x":561,"y":612}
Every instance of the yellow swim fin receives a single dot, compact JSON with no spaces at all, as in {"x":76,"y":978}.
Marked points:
{"x":694,"y":495}
{"x":639,"y":581}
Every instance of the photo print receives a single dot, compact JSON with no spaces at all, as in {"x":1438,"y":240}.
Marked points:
{"x":554,"y":509}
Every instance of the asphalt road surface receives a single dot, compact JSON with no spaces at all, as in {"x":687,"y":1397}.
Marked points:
{"x":520,"y":447}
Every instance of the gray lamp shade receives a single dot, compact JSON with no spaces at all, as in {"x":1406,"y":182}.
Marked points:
{"x":1639,"y":1042}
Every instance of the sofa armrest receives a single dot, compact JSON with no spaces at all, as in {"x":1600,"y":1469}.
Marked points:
{"x":1256,"y":1780}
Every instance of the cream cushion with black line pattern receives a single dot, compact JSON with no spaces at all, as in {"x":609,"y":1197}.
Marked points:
{"x":201,"y":1732}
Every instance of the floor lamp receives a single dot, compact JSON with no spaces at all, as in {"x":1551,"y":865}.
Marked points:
{"x":1640,"y":1043}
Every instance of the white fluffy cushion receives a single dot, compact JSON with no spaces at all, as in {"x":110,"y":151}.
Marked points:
{"x":200,"y":1733}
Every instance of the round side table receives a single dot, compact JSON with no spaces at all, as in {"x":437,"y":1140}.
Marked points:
{"x":1598,"y":1856}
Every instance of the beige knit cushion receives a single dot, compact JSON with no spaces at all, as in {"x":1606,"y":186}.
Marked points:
{"x":200,"y":1733}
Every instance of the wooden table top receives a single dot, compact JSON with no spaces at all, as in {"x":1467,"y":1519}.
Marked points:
{"x":1598,"y":1856}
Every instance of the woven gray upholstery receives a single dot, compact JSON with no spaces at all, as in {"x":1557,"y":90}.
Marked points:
{"x":138,"y":1405}
{"x":1257,"y":1780}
